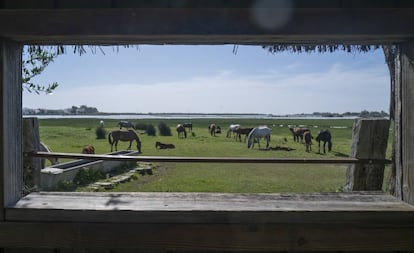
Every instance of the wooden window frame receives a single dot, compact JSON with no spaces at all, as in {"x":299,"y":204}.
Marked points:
{"x":188,"y":221}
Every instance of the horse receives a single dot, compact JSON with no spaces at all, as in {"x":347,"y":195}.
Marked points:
{"x":297,"y":133}
{"x":44,"y":148}
{"x":160,"y":145}
{"x":325,"y":137}
{"x":212,"y":129}
{"x":218,"y":130}
{"x":307,"y":136}
{"x":119,"y":135}
{"x":181,"y":131}
{"x":126,"y":124}
{"x":232,"y":129}
{"x":245,"y":131}
{"x":189,"y":126}
{"x":88,"y":149}
{"x":256,"y":134}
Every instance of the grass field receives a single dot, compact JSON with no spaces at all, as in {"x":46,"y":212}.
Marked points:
{"x":70,"y":135}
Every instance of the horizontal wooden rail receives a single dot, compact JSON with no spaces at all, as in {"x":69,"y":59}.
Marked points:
{"x":181,"y":159}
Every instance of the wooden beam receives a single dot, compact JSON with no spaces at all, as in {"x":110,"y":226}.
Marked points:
{"x":200,"y":221}
{"x":183,"y":159}
{"x":208,"y":25}
{"x":369,"y":141}
{"x":407,"y":82}
{"x":11,"y":174}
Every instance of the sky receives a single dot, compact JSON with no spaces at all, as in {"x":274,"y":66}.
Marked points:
{"x":214,"y":79}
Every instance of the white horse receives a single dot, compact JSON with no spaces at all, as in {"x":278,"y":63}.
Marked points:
{"x":256,"y":134}
{"x":44,"y":148}
{"x":232,"y":129}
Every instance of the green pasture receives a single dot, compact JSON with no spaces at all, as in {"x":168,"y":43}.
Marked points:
{"x":70,"y":135}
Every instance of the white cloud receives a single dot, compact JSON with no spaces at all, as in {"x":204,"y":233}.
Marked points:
{"x":336,"y":90}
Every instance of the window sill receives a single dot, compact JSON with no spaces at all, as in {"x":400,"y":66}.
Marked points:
{"x":316,"y":221}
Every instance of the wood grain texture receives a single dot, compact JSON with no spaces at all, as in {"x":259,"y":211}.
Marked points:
{"x":10,"y":123}
{"x":204,"y":207}
{"x":203,"y":221}
{"x":369,"y":141}
{"x":407,"y":61}
{"x":205,"y":26}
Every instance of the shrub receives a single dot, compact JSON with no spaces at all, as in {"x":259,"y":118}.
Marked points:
{"x":163,"y":129}
{"x":100,"y":132}
{"x":151,"y":130}
{"x":141,"y":126}
{"x":87,"y":176}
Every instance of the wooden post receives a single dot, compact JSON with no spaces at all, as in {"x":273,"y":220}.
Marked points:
{"x":407,"y":122}
{"x":11,"y":162}
{"x":369,"y":141}
{"x":31,"y":165}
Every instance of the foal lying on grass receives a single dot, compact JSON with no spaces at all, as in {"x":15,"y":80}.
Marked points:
{"x":160,"y":145}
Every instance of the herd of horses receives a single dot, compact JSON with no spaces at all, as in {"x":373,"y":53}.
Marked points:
{"x":304,"y":134}
{"x":252,"y":136}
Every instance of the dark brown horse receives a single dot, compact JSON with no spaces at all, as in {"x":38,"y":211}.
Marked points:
{"x":181,"y":131}
{"x":160,"y":145}
{"x":188,"y":126}
{"x":119,"y":135}
{"x":297,"y":133}
{"x":239,"y":131}
{"x":325,"y":137}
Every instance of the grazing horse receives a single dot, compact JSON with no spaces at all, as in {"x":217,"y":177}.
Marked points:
{"x":325,"y":137}
{"x":181,"y":131}
{"x":126,"y":124}
{"x":88,"y":149}
{"x":218,"y":130}
{"x":189,"y":126}
{"x":44,"y":148}
{"x":297,"y":133}
{"x":256,"y":134}
{"x":160,"y":145}
{"x":245,"y":131}
{"x":307,"y":136}
{"x":232,"y":129}
{"x":118,"y":135}
{"x":212,"y":129}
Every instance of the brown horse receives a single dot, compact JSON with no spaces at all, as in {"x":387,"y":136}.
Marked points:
{"x":239,"y":131}
{"x":181,"y":131}
{"x":160,"y":145}
{"x":119,"y":135}
{"x":307,"y":136}
{"x":297,"y":133}
{"x":88,"y":149}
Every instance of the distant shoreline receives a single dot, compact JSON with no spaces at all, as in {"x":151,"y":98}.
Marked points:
{"x":184,"y":116}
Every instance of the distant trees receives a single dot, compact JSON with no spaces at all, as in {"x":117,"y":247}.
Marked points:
{"x":362,"y":114}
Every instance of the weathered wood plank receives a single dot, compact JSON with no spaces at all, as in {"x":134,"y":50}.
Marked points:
{"x":207,"y":25}
{"x":11,"y":175}
{"x":369,"y":141}
{"x":31,"y":165}
{"x":407,"y":77}
{"x":189,"y":159}
{"x":204,"y":207}
{"x":397,"y":140}
{"x":246,"y":237}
